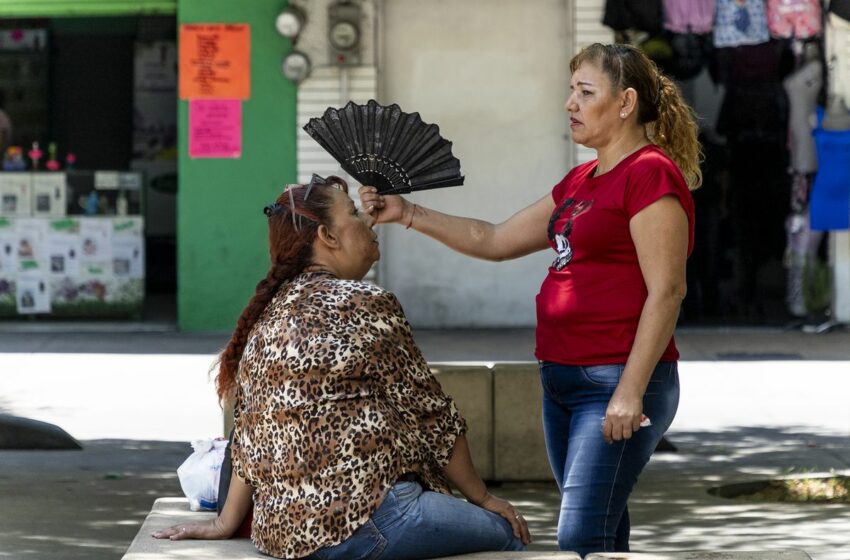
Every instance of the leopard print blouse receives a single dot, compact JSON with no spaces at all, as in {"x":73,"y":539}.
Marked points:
{"x":334,"y":402}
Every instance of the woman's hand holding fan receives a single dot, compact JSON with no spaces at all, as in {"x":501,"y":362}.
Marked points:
{"x":386,"y":209}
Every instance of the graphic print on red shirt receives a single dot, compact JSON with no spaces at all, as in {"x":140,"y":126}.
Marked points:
{"x":574,"y":209}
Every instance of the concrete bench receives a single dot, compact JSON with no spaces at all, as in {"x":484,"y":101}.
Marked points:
{"x":171,"y":511}
{"x":703,"y":555}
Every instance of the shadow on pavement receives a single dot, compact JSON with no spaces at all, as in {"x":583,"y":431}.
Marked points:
{"x":89,"y":504}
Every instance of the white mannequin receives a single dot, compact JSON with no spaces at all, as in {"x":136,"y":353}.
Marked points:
{"x":802,"y":88}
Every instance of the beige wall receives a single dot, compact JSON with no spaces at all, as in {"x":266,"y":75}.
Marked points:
{"x":493,"y":75}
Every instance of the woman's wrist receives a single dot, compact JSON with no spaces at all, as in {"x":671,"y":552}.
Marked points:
{"x":223,"y":532}
{"x":480,"y":499}
{"x":407,"y":219}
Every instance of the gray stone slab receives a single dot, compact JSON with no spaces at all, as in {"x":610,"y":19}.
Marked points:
{"x":519,"y":446}
{"x":525,"y":555}
{"x":703,"y":555}
{"x":171,"y":511}
{"x":472,"y":389}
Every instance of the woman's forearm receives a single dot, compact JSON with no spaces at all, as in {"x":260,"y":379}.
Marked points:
{"x":235,"y":508}
{"x":461,"y":473}
{"x":522,"y":234}
{"x":465,"y":235}
{"x":655,"y":328}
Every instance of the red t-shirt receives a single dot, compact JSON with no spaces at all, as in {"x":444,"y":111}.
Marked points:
{"x":588,"y":311}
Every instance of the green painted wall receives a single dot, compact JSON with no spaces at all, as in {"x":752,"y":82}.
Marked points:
{"x":85,"y":8}
{"x":221,"y":231}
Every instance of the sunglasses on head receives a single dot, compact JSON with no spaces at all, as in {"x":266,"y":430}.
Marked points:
{"x":275,"y":207}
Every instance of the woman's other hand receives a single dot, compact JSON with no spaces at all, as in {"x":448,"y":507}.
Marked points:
{"x":623,"y":416}
{"x":509,"y":512}
{"x":203,"y":530}
{"x":386,"y":209}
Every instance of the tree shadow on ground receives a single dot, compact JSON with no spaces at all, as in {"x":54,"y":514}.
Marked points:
{"x":671,"y":508}
{"x":90,"y":504}
{"x":86,"y":504}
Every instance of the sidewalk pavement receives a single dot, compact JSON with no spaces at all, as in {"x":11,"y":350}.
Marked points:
{"x":755,"y":404}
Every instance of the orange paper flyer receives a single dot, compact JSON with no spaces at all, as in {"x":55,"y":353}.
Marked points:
{"x":215,"y":61}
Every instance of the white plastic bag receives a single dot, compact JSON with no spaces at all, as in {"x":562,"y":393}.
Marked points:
{"x":200,"y":473}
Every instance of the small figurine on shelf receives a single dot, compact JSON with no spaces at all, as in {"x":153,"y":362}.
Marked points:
{"x":52,"y":163}
{"x":90,"y":204}
{"x":121,"y":203}
{"x":13,"y":159}
{"x":35,"y":155}
{"x":70,"y":160}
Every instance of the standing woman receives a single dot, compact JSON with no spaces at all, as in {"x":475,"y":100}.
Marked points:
{"x":622,"y":228}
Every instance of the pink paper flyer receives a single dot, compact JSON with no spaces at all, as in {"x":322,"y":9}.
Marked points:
{"x":215,"y":128}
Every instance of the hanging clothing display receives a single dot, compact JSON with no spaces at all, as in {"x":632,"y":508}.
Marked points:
{"x":645,"y":15}
{"x":802,"y":244}
{"x":689,"y":16}
{"x":803,"y":87}
{"x":740,"y":22}
{"x":829,"y":206}
{"x":840,"y":8}
{"x":679,"y":55}
{"x":838,"y":56}
{"x":794,"y":19}
{"x":755,"y":106}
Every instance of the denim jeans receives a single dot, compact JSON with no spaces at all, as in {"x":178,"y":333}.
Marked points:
{"x":595,"y":477}
{"x":412,"y":523}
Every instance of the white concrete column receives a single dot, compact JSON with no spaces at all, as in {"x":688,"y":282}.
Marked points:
{"x":839,"y":249}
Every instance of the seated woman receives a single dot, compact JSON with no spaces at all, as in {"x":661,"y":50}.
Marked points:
{"x":343,"y":437}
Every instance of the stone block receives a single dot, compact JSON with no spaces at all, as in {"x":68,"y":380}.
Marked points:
{"x":472,"y":389}
{"x":171,"y":511}
{"x":703,"y":555}
{"x":519,"y":450}
{"x":524,"y":555}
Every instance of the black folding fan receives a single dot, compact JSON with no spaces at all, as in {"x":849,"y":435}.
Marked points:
{"x":387,"y":148}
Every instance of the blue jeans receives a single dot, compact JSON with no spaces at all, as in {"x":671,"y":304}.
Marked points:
{"x":596,"y":478}
{"x":411,"y":523}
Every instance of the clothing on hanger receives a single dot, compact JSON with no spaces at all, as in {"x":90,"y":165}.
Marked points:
{"x":841,"y":8}
{"x":838,"y":57}
{"x":689,"y":16}
{"x":740,"y":22}
{"x":829,"y":203}
{"x":645,"y":15}
{"x":788,"y":19}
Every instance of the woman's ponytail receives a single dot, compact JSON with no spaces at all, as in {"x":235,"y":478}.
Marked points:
{"x":676,"y":131}
{"x":230,"y":357}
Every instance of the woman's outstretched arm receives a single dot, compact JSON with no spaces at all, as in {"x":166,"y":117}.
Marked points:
{"x":521,"y":234}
